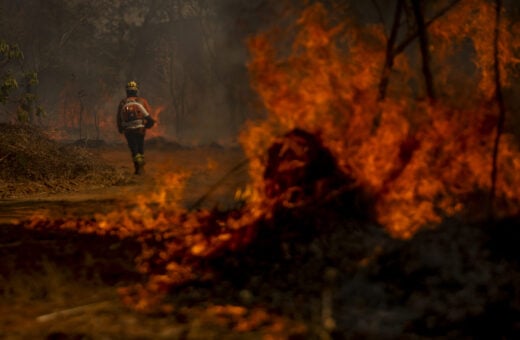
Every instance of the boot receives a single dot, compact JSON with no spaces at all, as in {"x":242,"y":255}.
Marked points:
{"x":140,"y":169}
{"x":139,"y":164}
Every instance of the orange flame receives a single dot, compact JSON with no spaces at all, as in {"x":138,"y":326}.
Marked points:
{"x":422,"y":161}
{"x":158,"y":129}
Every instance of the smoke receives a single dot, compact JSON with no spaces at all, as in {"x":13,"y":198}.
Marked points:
{"x":189,"y":58}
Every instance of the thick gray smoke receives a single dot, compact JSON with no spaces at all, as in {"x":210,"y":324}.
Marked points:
{"x":189,"y":58}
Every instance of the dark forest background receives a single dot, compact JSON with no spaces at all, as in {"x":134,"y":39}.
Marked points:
{"x":64,"y":64}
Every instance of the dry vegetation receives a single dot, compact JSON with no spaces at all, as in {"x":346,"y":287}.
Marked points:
{"x":30,"y":163}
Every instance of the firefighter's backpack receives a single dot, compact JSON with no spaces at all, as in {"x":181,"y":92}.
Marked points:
{"x":133,"y":110}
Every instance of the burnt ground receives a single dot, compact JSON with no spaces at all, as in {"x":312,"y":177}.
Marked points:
{"x":344,"y":279}
{"x":43,"y":272}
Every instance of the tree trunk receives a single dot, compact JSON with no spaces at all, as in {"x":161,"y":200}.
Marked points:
{"x":424,"y":45}
{"x":500,"y":102}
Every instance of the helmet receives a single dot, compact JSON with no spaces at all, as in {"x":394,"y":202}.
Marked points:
{"x":131,"y":86}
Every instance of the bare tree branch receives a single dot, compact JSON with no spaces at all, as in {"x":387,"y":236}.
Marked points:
{"x":66,"y":35}
{"x":424,"y":46}
{"x":389,"y":57}
{"x":401,"y":47}
{"x":500,"y":102}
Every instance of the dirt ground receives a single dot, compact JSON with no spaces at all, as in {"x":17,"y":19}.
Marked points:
{"x":206,"y":166}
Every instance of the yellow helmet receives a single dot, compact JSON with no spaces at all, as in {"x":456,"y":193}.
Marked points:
{"x":131,"y":86}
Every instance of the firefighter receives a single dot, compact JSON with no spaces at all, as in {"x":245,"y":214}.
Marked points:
{"x":133,"y":118}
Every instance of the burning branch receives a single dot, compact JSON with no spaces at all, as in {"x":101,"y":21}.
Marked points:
{"x":73,"y":311}
{"x":217,"y":184}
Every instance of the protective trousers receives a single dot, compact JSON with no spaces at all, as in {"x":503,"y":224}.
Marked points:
{"x":135,"y":140}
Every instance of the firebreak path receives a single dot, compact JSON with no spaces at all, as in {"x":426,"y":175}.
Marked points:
{"x":206,"y":166}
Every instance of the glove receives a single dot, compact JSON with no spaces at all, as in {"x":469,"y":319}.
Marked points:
{"x":149,"y":122}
